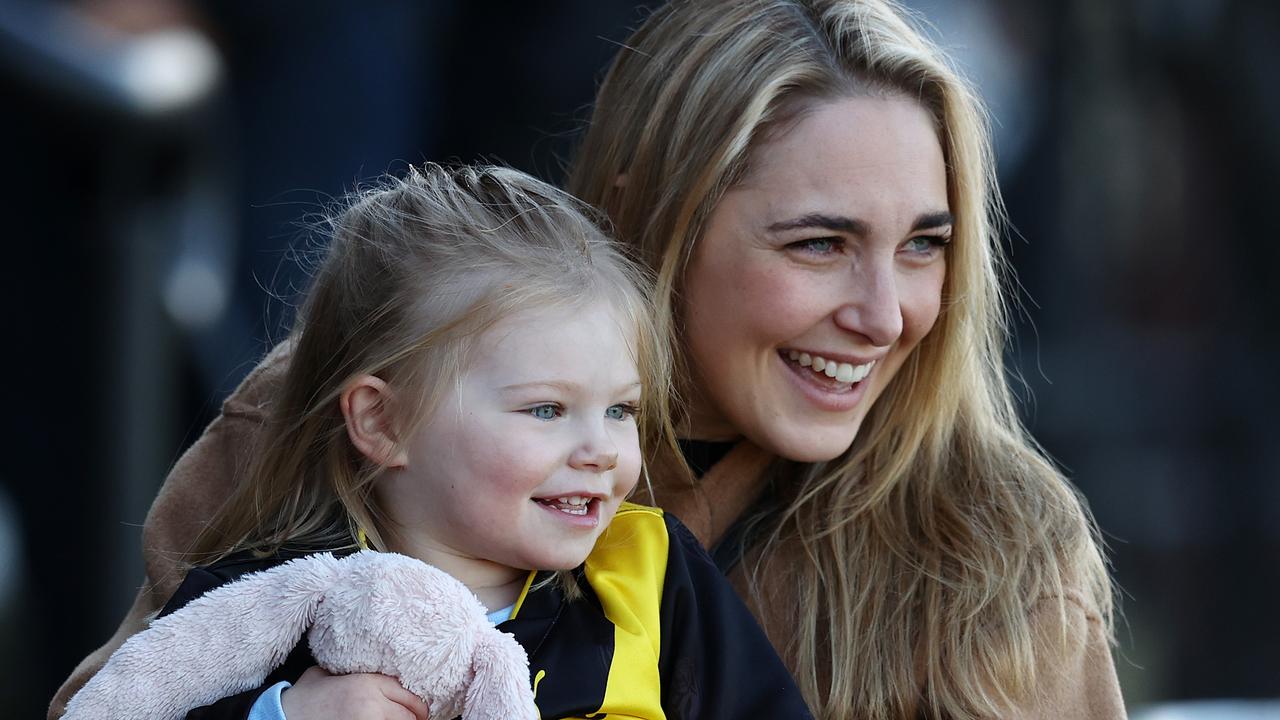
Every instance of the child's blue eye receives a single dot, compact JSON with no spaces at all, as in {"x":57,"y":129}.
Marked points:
{"x":545,"y":412}
{"x":621,"y":411}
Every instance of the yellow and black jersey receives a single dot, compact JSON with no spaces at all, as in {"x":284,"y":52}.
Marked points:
{"x":657,"y":633}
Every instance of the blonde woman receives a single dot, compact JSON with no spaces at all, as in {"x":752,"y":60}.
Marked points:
{"x":812,"y":185}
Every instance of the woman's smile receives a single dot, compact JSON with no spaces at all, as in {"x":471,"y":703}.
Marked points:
{"x":828,"y":364}
{"x":817,"y":276}
{"x":831,"y":386}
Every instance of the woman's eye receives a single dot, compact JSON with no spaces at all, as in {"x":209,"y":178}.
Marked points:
{"x":621,"y":411}
{"x":545,"y":412}
{"x":925,"y":244}
{"x":817,"y":246}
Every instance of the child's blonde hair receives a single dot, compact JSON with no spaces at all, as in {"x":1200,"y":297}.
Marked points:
{"x":416,"y":270}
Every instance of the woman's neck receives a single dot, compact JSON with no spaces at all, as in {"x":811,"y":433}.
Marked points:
{"x":702,"y":455}
{"x":703,"y":421}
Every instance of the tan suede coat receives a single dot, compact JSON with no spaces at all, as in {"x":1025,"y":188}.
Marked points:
{"x":1083,"y":686}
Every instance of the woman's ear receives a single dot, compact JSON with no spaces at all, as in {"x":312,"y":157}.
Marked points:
{"x":370,"y":417}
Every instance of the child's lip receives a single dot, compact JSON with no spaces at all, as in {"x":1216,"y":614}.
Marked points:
{"x":572,"y":493}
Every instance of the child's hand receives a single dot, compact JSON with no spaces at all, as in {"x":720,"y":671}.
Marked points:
{"x":363,"y":696}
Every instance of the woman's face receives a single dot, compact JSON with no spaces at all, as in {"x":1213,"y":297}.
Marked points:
{"x":817,"y":276}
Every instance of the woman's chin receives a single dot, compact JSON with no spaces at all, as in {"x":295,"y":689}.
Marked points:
{"x":807,"y":443}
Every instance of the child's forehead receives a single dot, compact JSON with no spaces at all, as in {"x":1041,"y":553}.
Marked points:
{"x":586,"y":322}
{"x":538,"y":340}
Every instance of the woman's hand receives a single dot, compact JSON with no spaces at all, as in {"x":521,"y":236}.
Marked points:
{"x":363,"y":696}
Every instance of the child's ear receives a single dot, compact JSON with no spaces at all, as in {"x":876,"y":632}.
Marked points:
{"x":370,"y":416}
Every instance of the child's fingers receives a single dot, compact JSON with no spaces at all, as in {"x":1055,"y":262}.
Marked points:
{"x":319,"y":695}
{"x":395,"y":692}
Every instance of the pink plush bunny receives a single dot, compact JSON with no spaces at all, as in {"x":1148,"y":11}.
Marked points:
{"x":367,"y":612}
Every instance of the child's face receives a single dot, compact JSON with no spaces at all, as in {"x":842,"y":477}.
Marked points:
{"x":543,"y":414}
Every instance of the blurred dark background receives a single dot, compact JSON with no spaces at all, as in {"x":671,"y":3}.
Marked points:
{"x":161,"y":153}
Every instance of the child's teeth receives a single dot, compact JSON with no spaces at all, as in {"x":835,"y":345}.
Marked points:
{"x":844,"y":373}
{"x":819,"y":364}
{"x":806,"y":359}
{"x":830,"y":369}
{"x":795,"y":355}
{"x":569,"y":504}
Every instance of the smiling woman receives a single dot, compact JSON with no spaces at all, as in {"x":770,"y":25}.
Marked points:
{"x":813,"y":185}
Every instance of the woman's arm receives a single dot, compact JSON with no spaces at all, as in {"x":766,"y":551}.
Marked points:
{"x":1075,"y":674}
{"x":206,"y":473}
{"x":192,"y":492}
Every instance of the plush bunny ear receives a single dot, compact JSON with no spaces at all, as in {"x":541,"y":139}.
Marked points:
{"x":220,"y":644}
{"x":500,"y":688}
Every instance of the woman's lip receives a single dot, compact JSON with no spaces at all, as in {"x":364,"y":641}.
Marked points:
{"x":838,"y":357}
{"x":823,"y":395}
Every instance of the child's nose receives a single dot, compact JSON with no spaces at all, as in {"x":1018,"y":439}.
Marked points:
{"x":596,"y":454}
{"x":595,"y":460}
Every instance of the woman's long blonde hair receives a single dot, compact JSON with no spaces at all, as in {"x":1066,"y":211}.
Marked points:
{"x":416,"y":269}
{"x":912,"y":562}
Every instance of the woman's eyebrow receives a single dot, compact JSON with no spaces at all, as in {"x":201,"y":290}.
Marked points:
{"x":839,"y":223}
{"x":854,"y":226}
{"x":929,"y":221}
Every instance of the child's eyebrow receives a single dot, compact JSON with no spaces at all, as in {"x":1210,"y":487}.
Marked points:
{"x":561,"y":385}
{"x":553,"y":384}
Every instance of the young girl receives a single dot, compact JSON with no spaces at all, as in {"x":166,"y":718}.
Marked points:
{"x":473,"y":374}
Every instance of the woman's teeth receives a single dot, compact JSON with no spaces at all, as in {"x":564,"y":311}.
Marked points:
{"x":839,"y":371}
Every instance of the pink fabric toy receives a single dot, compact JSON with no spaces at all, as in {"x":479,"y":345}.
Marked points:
{"x":367,"y":612}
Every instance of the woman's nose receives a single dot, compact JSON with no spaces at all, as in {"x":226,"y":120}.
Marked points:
{"x":872,"y":307}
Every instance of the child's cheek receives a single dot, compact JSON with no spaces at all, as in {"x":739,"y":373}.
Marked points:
{"x":506,"y":463}
{"x":627,"y":473}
